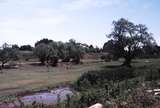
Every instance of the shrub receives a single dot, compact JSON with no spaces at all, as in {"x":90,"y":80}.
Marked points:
{"x":99,"y":78}
{"x":152,"y":74}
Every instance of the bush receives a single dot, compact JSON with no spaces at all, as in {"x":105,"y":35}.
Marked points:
{"x":153,"y":74}
{"x":140,"y":99}
{"x":99,"y":78}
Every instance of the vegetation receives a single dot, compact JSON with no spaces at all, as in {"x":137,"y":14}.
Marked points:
{"x":122,"y":81}
{"x":7,"y":54}
{"x":47,"y":50}
{"x":25,"y":48}
{"x":117,"y":87}
{"x":128,"y":38}
{"x":42,"y":52}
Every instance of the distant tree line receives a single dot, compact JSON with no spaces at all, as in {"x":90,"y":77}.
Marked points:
{"x":48,"y":51}
{"x":127,"y":40}
{"x":23,"y":47}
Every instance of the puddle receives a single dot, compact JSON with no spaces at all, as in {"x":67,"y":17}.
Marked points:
{"x":48,"y":98}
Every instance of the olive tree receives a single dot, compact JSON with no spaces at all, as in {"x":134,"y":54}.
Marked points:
{"x":76,"y":51}
{"x":53,"y":56}
{"x":47,"y":53}
{"x":7,"y":54}
{"x":128,"y":38}
{"x":41,"y":51}
{"x":63,"y":52}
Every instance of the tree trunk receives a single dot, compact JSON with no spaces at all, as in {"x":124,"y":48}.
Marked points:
{"x":42,"y":61}
{"x":54,"y":61}
{"x":76,"y":60}
{"x":1,"y":68}
{"x":2,"y":65}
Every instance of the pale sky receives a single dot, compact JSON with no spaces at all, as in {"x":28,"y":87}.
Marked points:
{"x":87,"y":21}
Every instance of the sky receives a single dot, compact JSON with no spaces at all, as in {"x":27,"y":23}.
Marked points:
{"x":88,"y":21}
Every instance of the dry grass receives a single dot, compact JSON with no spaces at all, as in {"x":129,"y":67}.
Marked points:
{"x":29,"y":77}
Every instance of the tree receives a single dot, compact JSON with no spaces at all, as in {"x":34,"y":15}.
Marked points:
{"x":150,"y":51}
{"x":53,"y":52}
{"x":47,"y":53}
{"x":41,"y":51}
{"x":91,"y":49}
{"x":109,"y":47}
{"x":15,"y":46}
{"x":6,"y":54}
{"x":128,"y":38}
{"x":63,"y":52}
{"x":26,"y":48}
{"x":44,"y":41}
{"x":76,"y":50}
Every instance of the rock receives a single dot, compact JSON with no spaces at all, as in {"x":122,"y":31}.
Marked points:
{"x":97,"y":105}
{"x":156,"y":90}
{"x":157,"y":93}
{"x":109,"y":104}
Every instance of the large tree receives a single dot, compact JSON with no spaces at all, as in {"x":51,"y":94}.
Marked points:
{"x":53,"y":51}
{"x":41,"y":51}
{"x":63,"y":52}
{"x":128,"y":38}
{"x":76,"y":50}
{"x":47,"y":53}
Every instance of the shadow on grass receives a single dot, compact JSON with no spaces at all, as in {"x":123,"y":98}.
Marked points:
{"x":10,"y":67}
{"x":112,"y":66}
{"x":36,"y":64}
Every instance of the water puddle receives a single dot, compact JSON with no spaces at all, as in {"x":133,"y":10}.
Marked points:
{"x":48,"y":98}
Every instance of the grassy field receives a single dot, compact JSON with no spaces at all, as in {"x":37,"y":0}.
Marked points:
{"x":30,"y":77}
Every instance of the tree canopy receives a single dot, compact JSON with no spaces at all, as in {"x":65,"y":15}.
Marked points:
{"x":6,"y":54}
{"x":128,"y":38}
{"x":53,"y":51}
{"x":26,"y":48}
{"x":44,"y":41}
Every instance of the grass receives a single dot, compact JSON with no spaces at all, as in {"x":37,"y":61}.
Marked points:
{"x":28,"y":77}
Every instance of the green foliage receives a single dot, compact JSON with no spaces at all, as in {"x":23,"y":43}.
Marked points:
{"x":75,"y":51}
{"x":15,"y":46}
{"x":62,"y":50}
{"x":47,"y":50}
{"x":127,"y":39}
{"x":7,"y":98}
{"x":26,"y":48}
{"x":152,"y":75}
{"x":98,"y":78}
{"x":41,"y":51}
{"x":7,"y":54}
{"x":43,"y":41}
